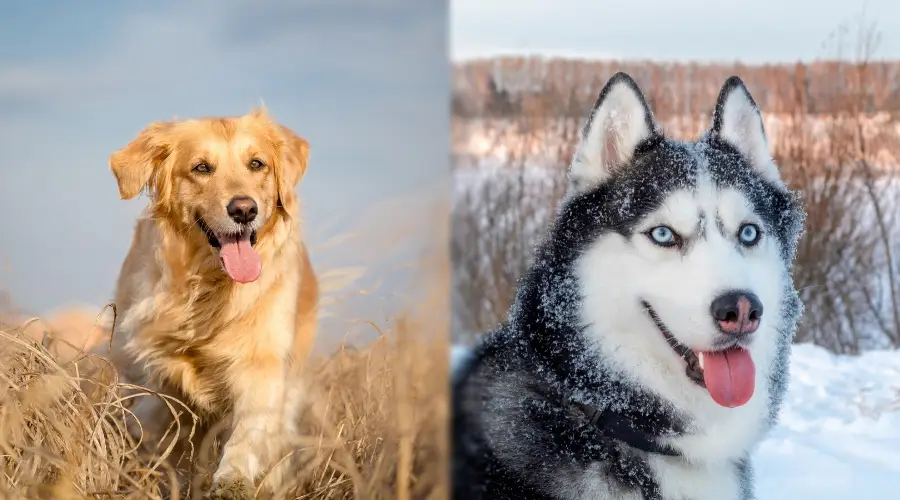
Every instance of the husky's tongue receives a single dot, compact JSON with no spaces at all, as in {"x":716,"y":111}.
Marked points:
{"x":239,"y":259}
{"x":730,"y":376}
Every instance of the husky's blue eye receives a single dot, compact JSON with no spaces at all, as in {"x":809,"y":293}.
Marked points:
{"x":663,"y":236}
{"x":749,"y":234}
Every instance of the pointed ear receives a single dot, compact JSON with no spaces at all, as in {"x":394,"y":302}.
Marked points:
{"x":619,"y":123}
{"x":738,"y":121}
{"x":134,"y":164}
{"x":293,"y":165}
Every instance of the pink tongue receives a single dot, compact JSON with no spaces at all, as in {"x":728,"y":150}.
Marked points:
{"x":730,"y":376}
{"x":239,"y":259}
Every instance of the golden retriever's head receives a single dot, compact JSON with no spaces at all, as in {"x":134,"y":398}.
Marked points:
{"x":224,"y":179}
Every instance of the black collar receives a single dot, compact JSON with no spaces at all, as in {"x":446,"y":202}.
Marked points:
{"x":613,"y":425}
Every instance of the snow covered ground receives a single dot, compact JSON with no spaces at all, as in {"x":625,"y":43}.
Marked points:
{"x":839,"y":433}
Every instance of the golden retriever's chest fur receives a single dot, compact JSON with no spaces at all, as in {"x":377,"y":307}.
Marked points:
{"x":188,"y":332}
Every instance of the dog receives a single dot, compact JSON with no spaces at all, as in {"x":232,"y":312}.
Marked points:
{"x":646,"y":351}
{"x":217,"y":298}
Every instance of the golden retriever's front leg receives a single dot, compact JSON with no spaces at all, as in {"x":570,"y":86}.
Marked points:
{"x":259,"y":433}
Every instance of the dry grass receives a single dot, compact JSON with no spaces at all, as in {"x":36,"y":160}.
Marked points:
{"x":375,"y":427}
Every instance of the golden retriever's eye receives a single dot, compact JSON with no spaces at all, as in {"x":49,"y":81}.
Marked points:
{"x":202,"y":168}
{"x":257,"y":164}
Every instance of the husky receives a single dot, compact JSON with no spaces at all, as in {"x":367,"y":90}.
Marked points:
{"x":646,"y":351}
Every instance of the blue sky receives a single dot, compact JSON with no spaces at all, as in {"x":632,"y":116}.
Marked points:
{"x":723,"y":30}
{"x":366,"y":82}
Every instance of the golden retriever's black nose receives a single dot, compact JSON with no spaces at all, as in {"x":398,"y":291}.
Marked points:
{"x":242,"y":209}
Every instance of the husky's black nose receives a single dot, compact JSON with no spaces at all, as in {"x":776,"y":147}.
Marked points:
{"x":737,"y":312}
{"x":242,"y":209}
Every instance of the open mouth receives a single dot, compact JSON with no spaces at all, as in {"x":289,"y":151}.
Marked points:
{"x":214,"y":240}
{"x":728,"y":374}
{"x":236,"y":253}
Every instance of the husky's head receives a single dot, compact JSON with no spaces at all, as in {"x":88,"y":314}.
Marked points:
{"x":683,"y":248}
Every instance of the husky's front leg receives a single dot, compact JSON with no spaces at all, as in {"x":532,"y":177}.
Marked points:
{"x":258,"y":431}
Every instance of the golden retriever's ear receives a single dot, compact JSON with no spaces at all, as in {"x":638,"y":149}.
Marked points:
{"x":293,"y":166}
{"x":296,"y":156}
{"x":134,"y":164}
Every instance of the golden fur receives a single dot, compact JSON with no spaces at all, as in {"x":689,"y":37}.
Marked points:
{"x":184,"y":327}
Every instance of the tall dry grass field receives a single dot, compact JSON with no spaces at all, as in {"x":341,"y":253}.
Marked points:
{"x":374,"y":427}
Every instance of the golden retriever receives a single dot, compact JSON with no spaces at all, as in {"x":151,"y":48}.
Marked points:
{"x":217,"y":298}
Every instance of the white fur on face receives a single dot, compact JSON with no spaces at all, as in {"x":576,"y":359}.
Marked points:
{"x":613,"y":133}
{"x":742,"y":127}
{"x":616,"y":274}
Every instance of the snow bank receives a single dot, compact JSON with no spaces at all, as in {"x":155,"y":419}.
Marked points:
{"x":839,"y":432}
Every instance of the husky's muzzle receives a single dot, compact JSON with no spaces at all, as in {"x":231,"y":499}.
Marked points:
{"x":692,"y":368}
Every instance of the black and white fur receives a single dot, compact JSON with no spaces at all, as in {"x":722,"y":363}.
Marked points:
{"x":579,"y":332}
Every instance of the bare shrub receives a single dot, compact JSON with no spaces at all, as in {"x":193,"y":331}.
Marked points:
{"x":497,"y":217}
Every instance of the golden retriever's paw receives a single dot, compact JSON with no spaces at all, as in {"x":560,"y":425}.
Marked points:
{"x":231,"y":488}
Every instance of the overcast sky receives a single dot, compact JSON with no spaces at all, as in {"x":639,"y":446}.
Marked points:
{"x":366,"y":82}
{"x":724,"y":30}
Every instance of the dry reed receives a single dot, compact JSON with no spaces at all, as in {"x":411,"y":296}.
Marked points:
{"x":374,"y":428}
